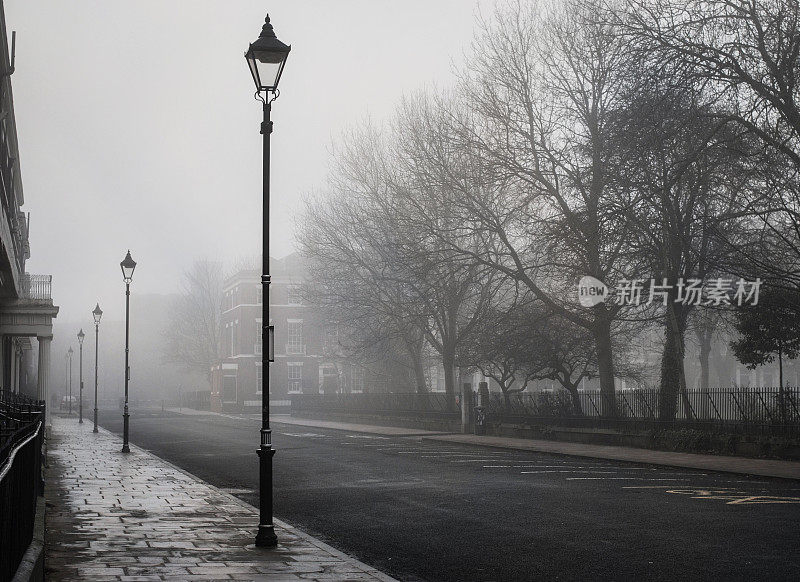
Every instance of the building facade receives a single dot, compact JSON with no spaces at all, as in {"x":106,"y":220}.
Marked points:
{"x":26,"y":305}
{"x":307,"y":354}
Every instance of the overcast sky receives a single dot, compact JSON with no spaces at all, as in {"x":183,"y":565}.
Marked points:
{"x":138,"y":128}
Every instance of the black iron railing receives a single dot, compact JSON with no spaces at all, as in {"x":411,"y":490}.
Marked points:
{"x":21,"y":440}
{"x":738,"y":410}
{"x":748,"y":405}
{"x":747,"y":410}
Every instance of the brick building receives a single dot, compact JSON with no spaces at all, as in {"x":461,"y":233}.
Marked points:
{"x":307,"y":359}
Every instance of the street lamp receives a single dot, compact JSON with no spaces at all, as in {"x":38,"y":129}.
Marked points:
{"x":81,"y":335}
{"x":127,"y":265}
{"x":97,"y":313}
{"x":266,"y":58}
{"x":69,"y":376}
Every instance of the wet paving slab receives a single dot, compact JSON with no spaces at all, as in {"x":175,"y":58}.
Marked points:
{"x":132,"y":516}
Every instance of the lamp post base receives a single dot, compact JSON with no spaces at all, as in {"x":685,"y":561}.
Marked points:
{"x":266,"y":538}
{"x":95,"y":421}
{"x":125,"y":447}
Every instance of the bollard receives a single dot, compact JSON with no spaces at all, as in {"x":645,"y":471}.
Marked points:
{"x":480,"y":420}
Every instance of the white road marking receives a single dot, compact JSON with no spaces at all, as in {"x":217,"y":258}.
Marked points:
{"x":574,"y":471}
{"x":644,"y":487}
{"x":474,"y":460}
{"x":509,"y":467}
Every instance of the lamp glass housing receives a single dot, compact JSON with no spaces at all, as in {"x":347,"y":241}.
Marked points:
{"x":266,"y":67}
{"x":128,"y":265}
{"x":97,"y":313}
{"x":266,"y":58}
{"x":81,"y":335}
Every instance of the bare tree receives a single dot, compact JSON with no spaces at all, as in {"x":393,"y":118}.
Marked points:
{"x":744,"y":54}
{"x":531,"y":127}
{"x":692,"y":173}
{"x":530,"y":342}
{"x":368,"y":239}
{"x":193,"y":330}
{"x":733,"y":65}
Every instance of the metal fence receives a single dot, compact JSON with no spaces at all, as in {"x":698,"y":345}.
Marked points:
{"x":21,"y":439}
{"x":758,"y":410}
{"x":736,"y":405}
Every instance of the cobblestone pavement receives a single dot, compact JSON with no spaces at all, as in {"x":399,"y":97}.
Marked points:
{"x":115,"y":516}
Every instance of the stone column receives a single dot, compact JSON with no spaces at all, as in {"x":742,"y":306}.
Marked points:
{"x":43,"y":375}
{"x":14,"y":366}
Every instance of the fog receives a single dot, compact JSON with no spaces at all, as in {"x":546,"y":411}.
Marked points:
{"x":138,"y":128}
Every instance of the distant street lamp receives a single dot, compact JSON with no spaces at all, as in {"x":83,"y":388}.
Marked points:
{"x":81,"y":335}
{"x":127,"y":265}
{"x":266,"y":58}
{"x":69,"y":376}
{"x":97,"y":313}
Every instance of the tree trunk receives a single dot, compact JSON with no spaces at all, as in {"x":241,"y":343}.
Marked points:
{"x":668,"y":392}
{"x":705,"y":352}
{"x":415,"y":351}
{"x":673,"y":376}
{"x":781,"y":395}
{"x":448,"y":361}
{"x":577,"y":409}
{"x":605,"y":363}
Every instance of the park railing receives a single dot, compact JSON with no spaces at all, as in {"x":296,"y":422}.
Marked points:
{"x":21,"y":441}
{"x":744,"y":409}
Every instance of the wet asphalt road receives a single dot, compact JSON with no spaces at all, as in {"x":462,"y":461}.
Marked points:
{"x":424,"y":510}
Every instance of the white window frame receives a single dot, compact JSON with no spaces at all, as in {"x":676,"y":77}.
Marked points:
{"x":294,"y":347}
{"x":294,"y":384}
{"x":357,"y":381}
{"x":291,"y":291}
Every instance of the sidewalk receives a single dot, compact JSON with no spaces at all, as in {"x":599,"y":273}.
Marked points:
{"x":136,"y":517}
{"x":727,"y":464}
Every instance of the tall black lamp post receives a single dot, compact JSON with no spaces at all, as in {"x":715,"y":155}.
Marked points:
{"x":127,"y":265}
{"x":97,"y":313}
{"x":81,"y":335}
{"x":69,"y":377}
{"x":266,"y":58}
